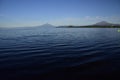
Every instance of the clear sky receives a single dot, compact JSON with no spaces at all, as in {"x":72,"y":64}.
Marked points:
{"x":18,"y":13}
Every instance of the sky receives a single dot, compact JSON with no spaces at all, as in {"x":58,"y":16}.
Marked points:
{"x":26,"y":13}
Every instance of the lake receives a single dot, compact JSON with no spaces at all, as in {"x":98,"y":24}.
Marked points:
{"x":59,"y":53}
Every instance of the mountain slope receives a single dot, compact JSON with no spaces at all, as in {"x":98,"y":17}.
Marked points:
{"x":102,"y":24}
{"x":105,"y":23}
{"x":46,"y":26}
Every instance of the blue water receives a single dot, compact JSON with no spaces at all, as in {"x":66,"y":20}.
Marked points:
{"x":59,"y":53}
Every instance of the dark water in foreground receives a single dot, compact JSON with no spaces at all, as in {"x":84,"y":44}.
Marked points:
{"x":60,"y":54}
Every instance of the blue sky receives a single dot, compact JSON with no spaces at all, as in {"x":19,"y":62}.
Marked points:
{"x":20,"y":13}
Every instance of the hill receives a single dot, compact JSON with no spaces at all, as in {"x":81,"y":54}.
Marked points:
{"x":102,"y":24}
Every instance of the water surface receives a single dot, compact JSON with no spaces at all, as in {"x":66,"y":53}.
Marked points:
{"x":60,"y":53}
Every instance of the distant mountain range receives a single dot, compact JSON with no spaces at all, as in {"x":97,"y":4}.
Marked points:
{"x":102,"y":24}
{"x":105,"y":23}
{"x":46,"y":26}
